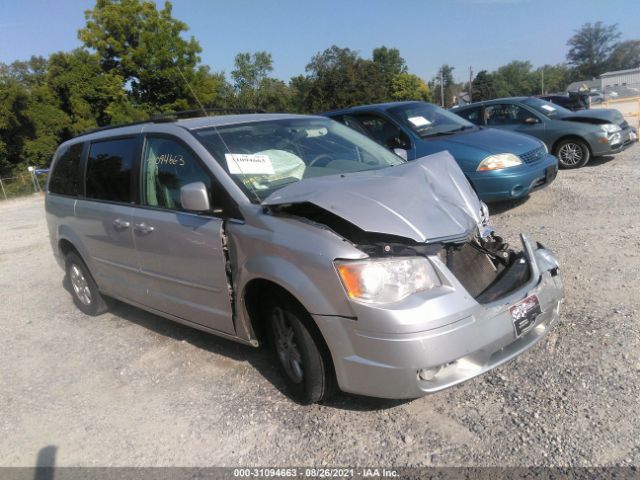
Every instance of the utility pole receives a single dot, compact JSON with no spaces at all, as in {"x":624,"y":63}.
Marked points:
{"x":470,"y":82}
{"x":542,"y":81}
{"x":441,"y":89}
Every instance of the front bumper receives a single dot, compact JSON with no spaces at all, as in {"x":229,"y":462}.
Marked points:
{"x":623,"y":140}
{"x":515,"y":182}
{"x":381,"y":353}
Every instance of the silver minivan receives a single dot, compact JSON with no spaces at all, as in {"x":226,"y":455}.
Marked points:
{"x":360,"y":270}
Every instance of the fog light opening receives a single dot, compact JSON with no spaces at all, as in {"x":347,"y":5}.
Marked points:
{"x":429,"y":374}
{"x":517,"y":191}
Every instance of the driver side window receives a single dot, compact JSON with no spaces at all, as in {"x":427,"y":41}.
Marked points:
{"x":167,"y":166}
{"x":384,"y":132}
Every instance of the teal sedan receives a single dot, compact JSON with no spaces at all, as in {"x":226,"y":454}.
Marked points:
{"x":573,"y":137}
{"x":499,"y":165}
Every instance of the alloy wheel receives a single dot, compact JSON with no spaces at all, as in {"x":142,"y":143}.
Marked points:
{"x":80,"y":285}
{"x":286,"y":347}
{"x":571,"y":154}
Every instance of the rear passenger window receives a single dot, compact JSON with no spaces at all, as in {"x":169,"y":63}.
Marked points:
{"x":109,"y":170}
{"x":167,"y":167}
{"x":65,"y":177}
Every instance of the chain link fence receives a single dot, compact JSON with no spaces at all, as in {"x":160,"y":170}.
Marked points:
{"x":21,"y":185}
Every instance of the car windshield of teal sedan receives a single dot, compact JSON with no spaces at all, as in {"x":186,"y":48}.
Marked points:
{"x":265,"y":156}
{"x":429,"y":120}
{"x":548,"y":109}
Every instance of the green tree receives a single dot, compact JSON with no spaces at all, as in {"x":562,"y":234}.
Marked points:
{"x":27,"y":73}
{"x":251,"y":69}
{"x":483,"y":86}
{"x":407,"y":86}
{"x":145,"y":47}
{"x":553,"y":78}
{"x":390,"y":63}
{"x":47,"y":126}
{"x":14,"y":99}
{"x":250,"y":72}
{"x":273,"y":95}
{"x":624,"y":55}
{"x":299,"y":88}
{"x":590,"y":48}
{"x":339,"y":78}
{"x":515,"y":78}
{"x":89,"y":96}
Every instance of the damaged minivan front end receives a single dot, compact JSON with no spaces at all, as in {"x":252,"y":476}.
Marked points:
{"x":434,"y":297}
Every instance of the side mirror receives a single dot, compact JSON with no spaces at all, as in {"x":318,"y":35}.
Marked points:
{"x":531,"y":121}
{"x":194,"y":197}
{"x":401,"y":152}
{"x":397,"y":142}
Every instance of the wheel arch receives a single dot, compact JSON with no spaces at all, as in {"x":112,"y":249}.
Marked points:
{"x":252,"y":297}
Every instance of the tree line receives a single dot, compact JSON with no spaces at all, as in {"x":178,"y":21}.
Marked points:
{"x":135,"y":62}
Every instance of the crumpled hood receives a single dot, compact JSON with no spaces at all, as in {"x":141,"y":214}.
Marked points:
{"x":597,"y":115}
{"x":425,"y":199}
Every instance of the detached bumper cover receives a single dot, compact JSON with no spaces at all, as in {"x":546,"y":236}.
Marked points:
{"x":453,"y":333}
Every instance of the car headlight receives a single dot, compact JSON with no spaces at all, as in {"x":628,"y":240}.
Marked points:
{"x":546,"y":149}
{"x":499,"y":161}
{"x":610,"y":128}
{"x":386,"y":280}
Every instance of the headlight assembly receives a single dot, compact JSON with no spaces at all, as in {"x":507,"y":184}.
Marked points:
{"x":499,"y":161}
{"x":610,"y":128}
{"x":386,"y":280}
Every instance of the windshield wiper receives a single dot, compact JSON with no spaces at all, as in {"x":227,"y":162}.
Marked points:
{"x":448,"y":132}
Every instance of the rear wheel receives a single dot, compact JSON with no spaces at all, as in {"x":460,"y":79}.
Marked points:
{"x":572,"y":153}
{"x":84,"y":290}
{"x":302,"y":358}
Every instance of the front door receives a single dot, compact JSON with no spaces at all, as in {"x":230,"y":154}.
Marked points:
{"x":181,"y":256}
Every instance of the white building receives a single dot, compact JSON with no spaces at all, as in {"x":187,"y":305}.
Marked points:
{"x":621,"y":78}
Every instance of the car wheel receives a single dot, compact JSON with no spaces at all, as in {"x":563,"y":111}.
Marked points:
{"x":84,"y":290}
{"x":572,"y":153}
{"x":302,"y":357}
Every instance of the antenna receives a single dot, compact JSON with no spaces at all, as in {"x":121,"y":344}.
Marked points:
{"x":192,"y":92}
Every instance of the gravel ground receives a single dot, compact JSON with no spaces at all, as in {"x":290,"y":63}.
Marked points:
{"x":132,"y":389}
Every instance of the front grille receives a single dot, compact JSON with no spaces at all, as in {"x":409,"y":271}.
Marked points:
{"x":533,"y":155}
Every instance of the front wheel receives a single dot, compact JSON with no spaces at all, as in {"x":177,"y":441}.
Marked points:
{"x":572,"y":153}
{"x":302,"y":358}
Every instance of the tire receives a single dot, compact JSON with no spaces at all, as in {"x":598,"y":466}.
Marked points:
{"x":296,"y":344}
{"x":572,"y":153}
{"x":84,"y":290}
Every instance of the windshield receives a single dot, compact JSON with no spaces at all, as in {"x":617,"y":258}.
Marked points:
{"x":548,"y":109}
{"x":263,"y":157}
{"x":428,"y":120}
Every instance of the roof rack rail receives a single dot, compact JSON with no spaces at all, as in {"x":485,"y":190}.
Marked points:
{"x":173,"y":116}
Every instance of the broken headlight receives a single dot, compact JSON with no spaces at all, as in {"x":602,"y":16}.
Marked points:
{"x":386,"y":280}
{"x":610,"y":128}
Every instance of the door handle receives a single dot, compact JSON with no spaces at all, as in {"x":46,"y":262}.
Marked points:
{"x":143,"y":227}
{"x":118,"y":223}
